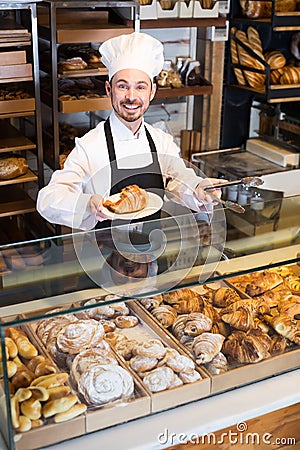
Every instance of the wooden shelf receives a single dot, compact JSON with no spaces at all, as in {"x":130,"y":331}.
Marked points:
{"x":183,"y":92}
{"x":17,"y":202}
{"x":183,"y":23}
{"x":12,"y":140}
{"x":29,"y":176}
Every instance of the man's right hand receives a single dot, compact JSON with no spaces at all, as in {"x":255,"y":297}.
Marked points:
{"x":96,"y":206}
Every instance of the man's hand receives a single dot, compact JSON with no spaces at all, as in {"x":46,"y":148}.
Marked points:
{"x":96,"y":206}
{"x":207,"y":197}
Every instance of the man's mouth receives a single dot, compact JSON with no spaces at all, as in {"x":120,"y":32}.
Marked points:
{"x":131,"y":107}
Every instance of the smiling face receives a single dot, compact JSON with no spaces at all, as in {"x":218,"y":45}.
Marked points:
{"x":131,"y":92}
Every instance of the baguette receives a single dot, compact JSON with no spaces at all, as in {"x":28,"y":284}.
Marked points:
{"x":291,"y":75}
{"x":275,"y":59}
{"x":254,"y":79}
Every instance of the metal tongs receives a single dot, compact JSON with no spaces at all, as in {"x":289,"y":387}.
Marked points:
{"x":246,"y":181}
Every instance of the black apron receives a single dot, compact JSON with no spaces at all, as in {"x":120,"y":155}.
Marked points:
{"x":149,"y":177}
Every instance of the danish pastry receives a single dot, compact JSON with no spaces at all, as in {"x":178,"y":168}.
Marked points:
{"x":153,"y":348}
{"x":189,"y":377}
{"x":142,"y":364}
{"x":79,"y":336}
{"x":126,"y":321}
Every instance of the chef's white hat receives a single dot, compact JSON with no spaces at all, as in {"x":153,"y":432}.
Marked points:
{"x":133,"y":51}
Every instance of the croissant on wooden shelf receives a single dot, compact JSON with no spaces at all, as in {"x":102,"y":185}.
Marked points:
{"x":182,"y":294}
{"x":250,"y":347}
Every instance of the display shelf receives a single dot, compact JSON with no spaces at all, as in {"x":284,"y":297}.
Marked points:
{"x":17,"y":201}
{"x":12,"y":140}
{"x":28,"y":177}
{"x":280,"y":21}
{"x":182,"y":23}
{"x":272,"y":93}
{"x":206,"y":89}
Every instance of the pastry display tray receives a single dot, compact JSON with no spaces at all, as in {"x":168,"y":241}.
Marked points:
{"x":171,"y":397}
{"x":112,"y":413}
{"x":239,"y":374}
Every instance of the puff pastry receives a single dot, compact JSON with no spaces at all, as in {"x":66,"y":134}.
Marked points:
{"x":132,"y":199}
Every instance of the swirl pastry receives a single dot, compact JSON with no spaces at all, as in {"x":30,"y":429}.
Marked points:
{"x":197,"y":323}
{"x":108,"y":325}
{"x":218,"y":364}
{"x":124,"y":347}
{"x":126,"y":321}
{"x":165,"y":314}
{"x":180,"y":363}
{"x":187,"y":378}
{"x":176,"y":382}
{"x":159,"y":379}
{"x":120,"y":309}
{"x":142,"y":364}
{"x":79,"y":336}
{"x":153,"y":348}
{"x":113,"y":337}
{"x":206,"y":346}
{"x":87,"y":358}
{"x":102,"y":384}
{"x":151,"y":302}
{"x":102,"y":311}
{"x":46,"y":325}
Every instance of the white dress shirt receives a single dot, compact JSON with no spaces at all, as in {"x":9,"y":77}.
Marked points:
{"x":64,"y":200}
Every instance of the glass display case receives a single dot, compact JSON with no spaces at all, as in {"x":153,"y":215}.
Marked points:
{"x":104,"y":327}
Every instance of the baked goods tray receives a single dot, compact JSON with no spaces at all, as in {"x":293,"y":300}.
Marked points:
{"x":147,"y":330}
{"x":46,"y":431}
{"x":111,"y":413}
{"x":17,"y":106}
{"x":91,"y":70}
{"x":237,"y":374}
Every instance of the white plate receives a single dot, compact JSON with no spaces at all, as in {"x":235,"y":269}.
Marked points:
{"x":153,"y":205}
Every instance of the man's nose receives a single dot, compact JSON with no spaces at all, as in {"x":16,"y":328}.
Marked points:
{"x":131,"y":93}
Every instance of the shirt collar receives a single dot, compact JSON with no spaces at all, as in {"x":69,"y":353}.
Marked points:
{"x":121,"y":132}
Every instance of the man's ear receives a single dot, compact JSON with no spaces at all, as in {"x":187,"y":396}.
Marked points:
{"x":108,"y":88}
{"x":153,"y":91}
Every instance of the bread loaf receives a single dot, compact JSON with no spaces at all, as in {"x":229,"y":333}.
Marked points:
{"x":12,"y":167}
{"x":235,"y":59}
{"x":255,"y":41}
{"x":291,"y":75}
{"x":275,"y":76}
{"x":254,"y":79}
{"x":257,"y":9}
{"x":275,"y":59}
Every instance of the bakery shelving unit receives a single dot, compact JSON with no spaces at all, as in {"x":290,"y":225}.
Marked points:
{"x":91,"y":22}
{"x":19,"y":116}
{"x":275,"y":32}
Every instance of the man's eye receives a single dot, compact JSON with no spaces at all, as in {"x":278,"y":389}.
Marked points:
{"x":122,"y":86}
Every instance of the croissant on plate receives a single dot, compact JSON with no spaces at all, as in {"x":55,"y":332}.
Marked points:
{"x":132,"y":199}
{"x":249,"y":347}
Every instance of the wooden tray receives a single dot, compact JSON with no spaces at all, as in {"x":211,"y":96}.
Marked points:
{"x":14,"y":106}
{"x":116,"y":412}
